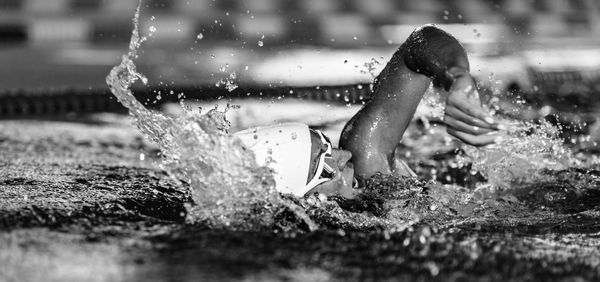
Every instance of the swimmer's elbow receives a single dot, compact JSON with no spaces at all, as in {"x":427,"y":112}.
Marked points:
{"x":433,"y":52}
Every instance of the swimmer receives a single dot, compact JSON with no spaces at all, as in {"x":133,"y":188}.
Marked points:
{"x":304,"y":160}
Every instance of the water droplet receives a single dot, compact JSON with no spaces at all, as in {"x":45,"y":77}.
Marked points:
{"x":323,"y":198}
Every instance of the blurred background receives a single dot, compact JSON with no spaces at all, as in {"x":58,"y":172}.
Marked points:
{"x":69,"y":46}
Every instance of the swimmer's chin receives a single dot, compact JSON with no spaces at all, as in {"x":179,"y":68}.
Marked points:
{"x":345,"y":187}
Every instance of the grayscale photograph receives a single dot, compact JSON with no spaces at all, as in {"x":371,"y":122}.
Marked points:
{"x":299,"y":140}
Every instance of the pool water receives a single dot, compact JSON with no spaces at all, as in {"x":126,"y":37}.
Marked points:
{"x":79,"y":197}
{"x":226,"y":183}
{"x":527,"y":209}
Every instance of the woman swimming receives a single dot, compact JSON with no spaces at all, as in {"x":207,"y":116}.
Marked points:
{"x":304,"y":160}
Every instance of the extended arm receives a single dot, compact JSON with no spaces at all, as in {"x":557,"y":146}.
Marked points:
{"x":428,"y":55}
{"x":374,"y":132}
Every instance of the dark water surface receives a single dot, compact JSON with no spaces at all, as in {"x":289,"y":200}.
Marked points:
{"x":78,"y":204}
{"x":420,"y":254}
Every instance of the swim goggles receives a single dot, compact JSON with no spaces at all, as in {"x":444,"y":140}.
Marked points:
{"x":325,"y":172}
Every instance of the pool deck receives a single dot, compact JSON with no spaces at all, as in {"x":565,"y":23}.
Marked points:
{"x":78,"y":204}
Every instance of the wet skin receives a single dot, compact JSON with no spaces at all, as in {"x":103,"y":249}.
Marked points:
{"x":373,"y":134}
{"x":343,"y":182}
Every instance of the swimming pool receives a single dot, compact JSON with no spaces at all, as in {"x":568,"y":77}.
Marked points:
{"x":87,"y":197}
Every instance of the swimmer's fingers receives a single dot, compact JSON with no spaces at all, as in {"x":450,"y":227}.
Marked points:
{"x":469,"y":105}
{"x":460,"y":115}
{"x":461,"y":126}
{"x":475,"y":140}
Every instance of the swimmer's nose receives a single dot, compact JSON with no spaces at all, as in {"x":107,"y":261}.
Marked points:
{"x":343,"y":159}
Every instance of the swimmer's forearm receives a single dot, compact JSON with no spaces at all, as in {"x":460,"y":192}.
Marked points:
{"x":395,"y":101}
{"x":374,"y":132}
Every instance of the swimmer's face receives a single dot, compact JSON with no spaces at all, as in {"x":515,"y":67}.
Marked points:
{"x":342,"y":177}
{"x":343,"y":181}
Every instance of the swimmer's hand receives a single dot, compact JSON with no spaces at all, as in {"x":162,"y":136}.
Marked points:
{"x":465,"y":118}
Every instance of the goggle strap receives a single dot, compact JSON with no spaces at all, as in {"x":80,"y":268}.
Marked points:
{"x":328,"y":168}
{"x":315,"y":179}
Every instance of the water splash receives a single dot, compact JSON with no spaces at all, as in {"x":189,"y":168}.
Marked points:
{"x":230,"y":190}
{"x":196,"y":150}
{"x":370,"y":67}
{"x":527,"y":147}
{"x":524,"y":151}
{"x":228,"y":82}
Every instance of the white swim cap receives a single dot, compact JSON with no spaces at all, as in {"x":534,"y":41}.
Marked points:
{"x":285,"y":148}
